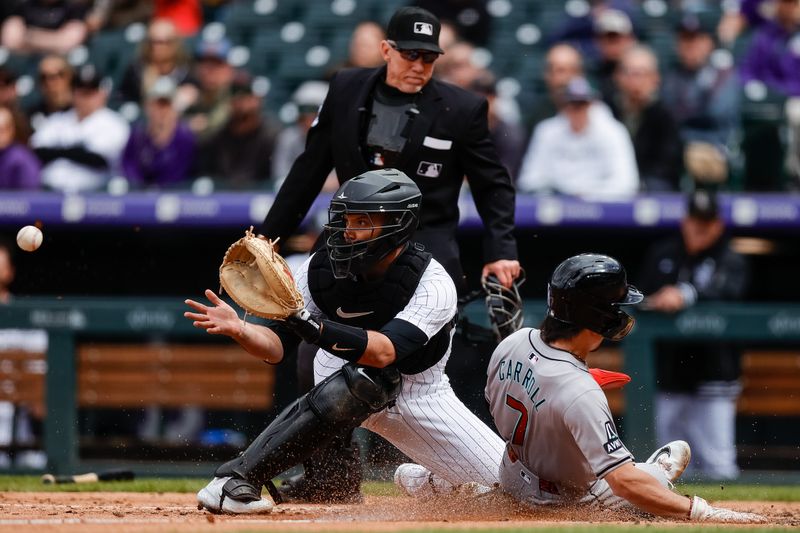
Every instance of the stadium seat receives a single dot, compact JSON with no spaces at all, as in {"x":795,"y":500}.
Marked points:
{"x":383,"y":11}
{"x":338,"y":16}
{"x":265,"y":52}
{"x":305,"y":62}
{"x":245,"y":19}
{"x":111,"y":51}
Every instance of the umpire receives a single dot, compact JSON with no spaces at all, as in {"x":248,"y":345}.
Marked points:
{"x":436,"y":133}
{"x":397,"y":116}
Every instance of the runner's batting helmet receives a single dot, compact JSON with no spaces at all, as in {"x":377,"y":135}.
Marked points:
{"x":387,"y":191}
{"x":587,"y":290}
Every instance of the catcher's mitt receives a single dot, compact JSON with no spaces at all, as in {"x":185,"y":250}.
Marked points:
{"x":258,"y":278}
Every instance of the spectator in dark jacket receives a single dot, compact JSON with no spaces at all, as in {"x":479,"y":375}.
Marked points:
{"x":239,"y":156}
{"x":702,"y":94}
{"x":656,"y":138}
{"x":697,"y":381}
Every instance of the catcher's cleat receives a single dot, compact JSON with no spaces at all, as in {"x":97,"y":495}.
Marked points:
{"x":231,"y":495}
{"x":672,"y":458}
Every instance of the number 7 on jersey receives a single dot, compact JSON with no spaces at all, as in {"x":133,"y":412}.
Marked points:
{"x":522,"y":422}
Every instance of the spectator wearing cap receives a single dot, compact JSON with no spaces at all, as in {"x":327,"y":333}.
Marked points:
{"x":239,"y":155}
{"x":698,"y":381}
{"x":613,"y":37}
{"x":161,"y":54}
{"x":773,"y":56}
{"x":54,"y":81}
{"x":397,"y":116}
{"x":214,"y":76}
{"x":10,"y":99}
{"x":582,"y":151}
{"x":80,"y":148}
{"x":44,"y":26}
{"x":160,"y":152}
{"x":291,"y":141}
{"x":655,"y":134}
{"x":508,"y":137}
{"x":702,"y":94}
{"x":581,"y":31}
{"x":19,"y":168}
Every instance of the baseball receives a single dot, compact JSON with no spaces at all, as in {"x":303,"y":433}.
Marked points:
{"x":29,"y":238}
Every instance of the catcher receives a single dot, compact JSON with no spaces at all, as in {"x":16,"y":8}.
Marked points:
{"x":382,"y":312}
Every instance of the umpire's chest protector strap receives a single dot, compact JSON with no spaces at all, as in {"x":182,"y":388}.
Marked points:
{"x":368,"y":305}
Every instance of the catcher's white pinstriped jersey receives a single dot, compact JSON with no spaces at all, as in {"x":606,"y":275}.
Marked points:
{"x":428,"y":422}
{"x":553,"y":415}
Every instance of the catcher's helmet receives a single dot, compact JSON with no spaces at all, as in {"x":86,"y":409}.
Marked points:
{"x":503,"y":305}
{"x":587,"y":290}
{"x":387,"y":191}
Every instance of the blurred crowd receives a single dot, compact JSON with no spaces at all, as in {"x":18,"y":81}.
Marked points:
{"x":616,"y":105}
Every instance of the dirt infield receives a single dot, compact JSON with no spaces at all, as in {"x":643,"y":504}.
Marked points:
{"x":162,"y":512}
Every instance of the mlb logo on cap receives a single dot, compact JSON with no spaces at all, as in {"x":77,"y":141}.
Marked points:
{"x":414,"y":28}
{"x":424,"y":28}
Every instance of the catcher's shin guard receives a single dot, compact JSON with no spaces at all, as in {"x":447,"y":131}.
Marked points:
{"x":337,"y":404}
{"x":331,"y":475}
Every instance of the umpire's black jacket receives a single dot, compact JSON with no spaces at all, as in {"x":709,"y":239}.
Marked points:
{"x":449,"y":137}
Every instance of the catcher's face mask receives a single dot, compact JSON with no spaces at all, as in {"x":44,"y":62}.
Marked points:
{"x":503,"y":305}
{"x":357,"y":241}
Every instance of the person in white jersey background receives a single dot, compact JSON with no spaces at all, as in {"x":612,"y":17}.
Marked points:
{"x":382,"y":312}
{"x":561,"y":442}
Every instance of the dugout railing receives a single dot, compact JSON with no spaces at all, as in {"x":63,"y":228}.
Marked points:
{"x":74,"y":322}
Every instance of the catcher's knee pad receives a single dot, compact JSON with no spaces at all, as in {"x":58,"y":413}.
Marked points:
{"x":342,"y":401}
{"x":350,"y":395}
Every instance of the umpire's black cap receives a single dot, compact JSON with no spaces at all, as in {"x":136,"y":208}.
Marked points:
{"x":414,"y":28}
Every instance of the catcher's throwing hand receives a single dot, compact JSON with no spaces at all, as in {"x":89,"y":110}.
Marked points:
{"x":217,"y":319}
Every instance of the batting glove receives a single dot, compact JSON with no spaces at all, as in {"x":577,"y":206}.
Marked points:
{"x":702,"y":511}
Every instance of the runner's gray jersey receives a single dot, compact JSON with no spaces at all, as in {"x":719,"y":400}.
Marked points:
{"x":552,"y":413}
